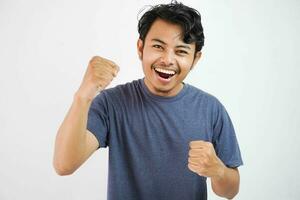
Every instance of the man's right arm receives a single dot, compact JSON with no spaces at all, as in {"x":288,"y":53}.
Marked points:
{"x":74,"y":144}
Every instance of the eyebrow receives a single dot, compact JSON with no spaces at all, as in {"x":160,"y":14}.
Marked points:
{"x":178,"y":46}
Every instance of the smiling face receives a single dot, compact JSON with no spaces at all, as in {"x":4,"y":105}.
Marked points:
{"x":166,"y":59}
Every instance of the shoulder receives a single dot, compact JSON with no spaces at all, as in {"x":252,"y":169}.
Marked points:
{"x":119,"y":93}
{"x":122,"y":89}
{"x":205,"y":97}
{"x":207,"y":102}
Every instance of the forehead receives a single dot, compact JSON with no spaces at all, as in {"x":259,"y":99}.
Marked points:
{"x":165,"y":31}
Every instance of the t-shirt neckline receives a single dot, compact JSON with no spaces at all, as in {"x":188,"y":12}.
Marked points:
{"x":178,"y":96}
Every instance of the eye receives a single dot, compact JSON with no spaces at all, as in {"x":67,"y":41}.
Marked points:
{"x":157,"y":46}
{"x":182,"y":52}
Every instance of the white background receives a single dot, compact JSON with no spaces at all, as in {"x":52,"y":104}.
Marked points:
{"x":249,"y":63}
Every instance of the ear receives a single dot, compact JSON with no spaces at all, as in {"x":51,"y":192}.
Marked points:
{"x":140,"y":47}
{"x":196,"y":58}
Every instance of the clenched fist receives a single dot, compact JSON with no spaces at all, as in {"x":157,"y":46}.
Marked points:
{"x":203,"y":159}
{"x":100,"y":72}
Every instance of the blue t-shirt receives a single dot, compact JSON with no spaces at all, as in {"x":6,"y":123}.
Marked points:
{"x":148,"y":138}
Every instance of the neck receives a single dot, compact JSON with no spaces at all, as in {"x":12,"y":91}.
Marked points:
{"x":163,"y":92}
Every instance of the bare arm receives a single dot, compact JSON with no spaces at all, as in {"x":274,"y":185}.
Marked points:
{"x":227,"y":184}
{"x":74,"y":144}
{"x":204,"y":161}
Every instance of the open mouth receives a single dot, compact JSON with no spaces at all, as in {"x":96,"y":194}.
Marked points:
{"x":164,"y":73}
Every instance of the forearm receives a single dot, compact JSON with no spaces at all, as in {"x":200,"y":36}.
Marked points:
{"x":227,"y":184}
{"x":69,"y":144}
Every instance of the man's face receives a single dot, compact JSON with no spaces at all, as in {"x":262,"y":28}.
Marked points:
{"x":166,"y":59}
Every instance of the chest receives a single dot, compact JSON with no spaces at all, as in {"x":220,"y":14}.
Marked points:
{"x":163,"y":124}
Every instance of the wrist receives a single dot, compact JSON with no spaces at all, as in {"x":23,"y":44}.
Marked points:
{"x":82,"y":98}
{"x":86,"y":93}
{"x":221,"y":170}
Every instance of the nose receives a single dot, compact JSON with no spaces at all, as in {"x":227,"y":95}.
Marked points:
{"x":168,"y":58}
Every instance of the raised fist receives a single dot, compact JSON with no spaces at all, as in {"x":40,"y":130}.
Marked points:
{"x":100,"y":72}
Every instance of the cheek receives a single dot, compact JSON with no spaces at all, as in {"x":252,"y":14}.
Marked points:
{"x":185,"y":64}
{"x":150,"y":57}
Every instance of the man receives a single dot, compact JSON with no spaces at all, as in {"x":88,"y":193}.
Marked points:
{"x":165,"y":137}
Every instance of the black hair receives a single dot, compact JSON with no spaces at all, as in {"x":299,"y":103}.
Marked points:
{"x":188,"y":18}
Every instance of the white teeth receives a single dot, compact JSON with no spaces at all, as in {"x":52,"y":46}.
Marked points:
{"x":165,"y":71}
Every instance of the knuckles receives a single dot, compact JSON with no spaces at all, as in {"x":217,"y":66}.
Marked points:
{"x":199,"y":143}
{"x":95,"y":59}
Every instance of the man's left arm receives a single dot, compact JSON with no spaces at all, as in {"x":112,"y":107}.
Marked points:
{"x":203,"y":160}
{"x":227,"y":185}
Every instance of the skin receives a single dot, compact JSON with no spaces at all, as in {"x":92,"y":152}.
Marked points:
{"x":203,"y":161}
{"x":163,"y":47}
{"x":74,"y":144}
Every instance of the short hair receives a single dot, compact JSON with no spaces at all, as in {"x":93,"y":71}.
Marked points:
{"x":188,"y":18}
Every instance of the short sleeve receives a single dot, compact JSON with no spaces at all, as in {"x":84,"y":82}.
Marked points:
{"x":224,"y":139}
{"x":97,"y":122}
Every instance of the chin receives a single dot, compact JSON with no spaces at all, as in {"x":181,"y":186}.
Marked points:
{"x":163,"y":89}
